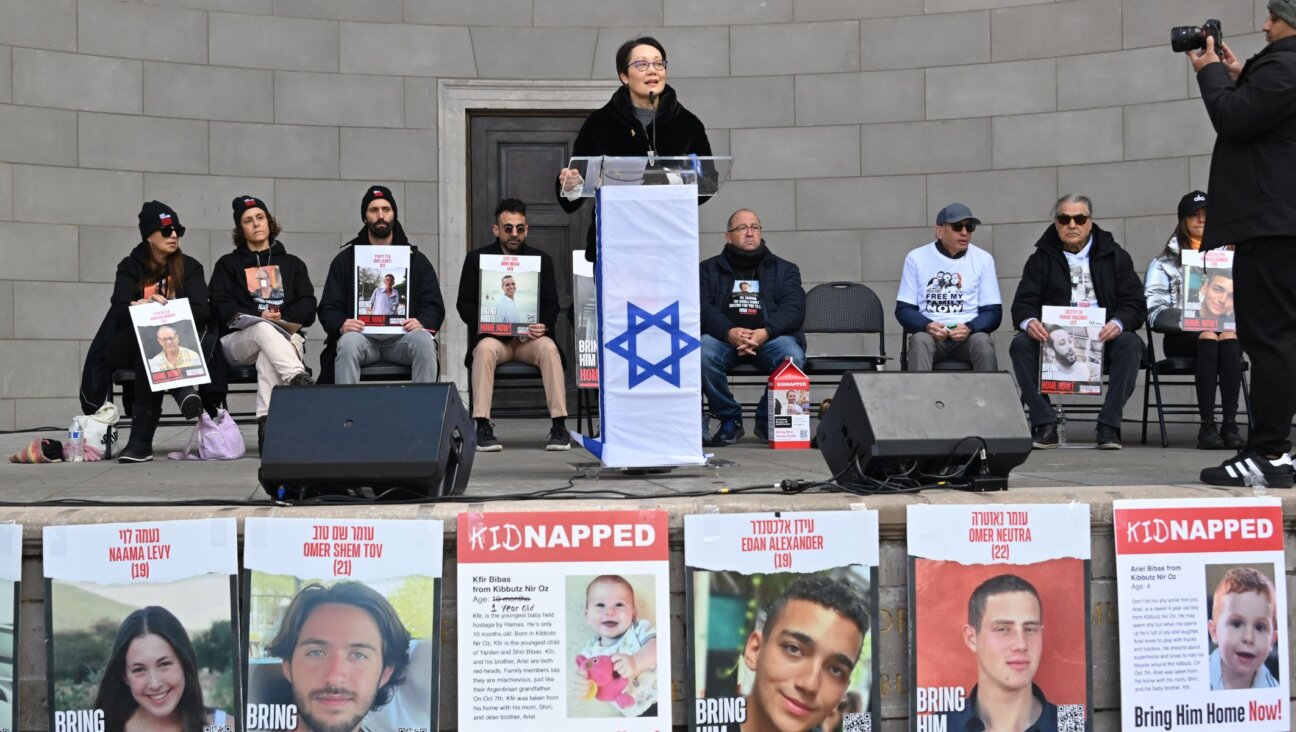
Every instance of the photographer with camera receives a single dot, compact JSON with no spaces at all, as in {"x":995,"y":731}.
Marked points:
{"x":1253,"y":206}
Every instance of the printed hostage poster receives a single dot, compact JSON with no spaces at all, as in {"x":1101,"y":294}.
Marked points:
{"x":10,"y":575}
{"x":343,"y":625}
{"x":141,"y":625}
{"x":585,"y":310}
{"x":1071,"y":358}
{"x":169,"y":344}
{"x":772,"y":597}
{"x":559,"y":615}
{"x":1203,"y":614}
{"x":1000,"y":631}
{"x":509,"y":299}
{"x":382,"y":286}
{"x":1207,"y":294}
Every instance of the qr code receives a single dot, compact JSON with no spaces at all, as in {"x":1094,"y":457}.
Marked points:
{"x":857,"y":722}
{"x":1071,"y":718}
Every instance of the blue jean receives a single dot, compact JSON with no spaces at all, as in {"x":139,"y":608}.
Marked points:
{"x":718,"y":357}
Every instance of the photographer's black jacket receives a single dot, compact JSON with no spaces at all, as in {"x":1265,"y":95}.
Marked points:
{"x":1046,"y":280}
{"x":229,"y":291}
{"x":1252,"y":189}
{"x":614,"y":130}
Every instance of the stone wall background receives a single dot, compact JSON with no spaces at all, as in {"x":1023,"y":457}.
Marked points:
{"x":852,"y":122}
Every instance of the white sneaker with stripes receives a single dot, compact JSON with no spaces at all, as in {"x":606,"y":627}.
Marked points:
{"x":1251,"y":468}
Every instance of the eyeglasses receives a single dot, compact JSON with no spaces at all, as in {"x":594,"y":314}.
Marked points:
{"x":641,"y":66}
{"x":1079,"y":219}
{"x":510,"y":228}
{"x":968,"y":226}
{"x":167,"y":231}
{"x":743,"y":228}
{"x":168,"y":338}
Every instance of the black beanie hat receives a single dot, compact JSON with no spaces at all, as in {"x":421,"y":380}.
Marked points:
{"x":243,"y":203}
{"x":154,"y":215}
{"x":378,"y":192}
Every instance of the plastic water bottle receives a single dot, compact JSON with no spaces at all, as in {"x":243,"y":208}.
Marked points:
{"x":1259,"y":486}
{"x":77,"y":442}
{"x":1061,"y":426}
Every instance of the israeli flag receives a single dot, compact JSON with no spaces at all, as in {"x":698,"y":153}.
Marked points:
{"x":650,"y":380}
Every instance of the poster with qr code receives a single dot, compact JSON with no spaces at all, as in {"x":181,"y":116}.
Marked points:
{"x":1000,"y":625}
{"x":1202,"y":602}
{"x":781,"y":611}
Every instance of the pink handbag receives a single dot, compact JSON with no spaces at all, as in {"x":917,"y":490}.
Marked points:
{"x":218,"y":439}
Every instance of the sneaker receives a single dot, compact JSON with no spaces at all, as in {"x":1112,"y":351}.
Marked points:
{"x":729,"y":432}
{"x":1208,"y":437}
{"x":191,"y":406}
{"x":559,"y":438}
{"x":1276,"y":473}
{"x":1044,"y":437}
{"x":1108,"y":437}
{"x":1233,"y":439}
{"x":486,"y":441}
{"x":302,"y":379}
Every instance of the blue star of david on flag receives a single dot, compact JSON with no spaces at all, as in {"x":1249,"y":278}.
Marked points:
{"x":626,"y":345}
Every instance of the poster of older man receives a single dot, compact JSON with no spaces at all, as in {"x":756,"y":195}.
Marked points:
{"x":168,"y":341}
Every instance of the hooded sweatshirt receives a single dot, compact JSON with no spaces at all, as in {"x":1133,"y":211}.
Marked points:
{"x":232,"y":293}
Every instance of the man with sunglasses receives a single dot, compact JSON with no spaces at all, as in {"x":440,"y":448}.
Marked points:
{"x":760,"y":325}
{"x":535,"y":347}
{"x":1076,"y":263}
{"x":949,"y":296}
{"x":1251,"y":192}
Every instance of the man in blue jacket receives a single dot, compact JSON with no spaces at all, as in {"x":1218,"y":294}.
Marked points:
{"x":752,"y":310}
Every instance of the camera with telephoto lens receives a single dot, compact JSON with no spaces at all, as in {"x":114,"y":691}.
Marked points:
{"x":1190,"y":37}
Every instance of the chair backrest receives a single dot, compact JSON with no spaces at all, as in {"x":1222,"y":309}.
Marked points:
{"x":845,"y":307}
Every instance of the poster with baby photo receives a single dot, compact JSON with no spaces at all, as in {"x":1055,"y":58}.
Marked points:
{"x":559,"y":617}
{"x":10,"y":576}
{"x":509,"y":294}
{"x":1071,"y":357}
{"x":343,"y":623}
{"x":999,"y":624}
{"x":775,"y":596}
{"x":1202,"y":614}
{"x":1206,"y":298}
{"x":169,"y":344}
{"x":382,"y":285}
{"x":141,"y":626}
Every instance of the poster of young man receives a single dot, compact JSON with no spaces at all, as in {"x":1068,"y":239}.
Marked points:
{"x":141,"y":624}
{"x":1000,"y":627}
{"x":382,"y":282}
{"x":559,"y":616}
{"x":343,"y":624}
{"x":10,"y":576}
{"x":1071,"y":358}
{"x":1202,"y":614}
{"x":585,"y":310}
{"x":168,"y":342}
{"x":509,"y":299}
{"x":780,"y":611}
{"x":1207,"y":294}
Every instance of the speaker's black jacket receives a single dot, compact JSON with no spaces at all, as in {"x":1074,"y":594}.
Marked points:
{"x":1046,"y":280}
{"x":614,"y":130}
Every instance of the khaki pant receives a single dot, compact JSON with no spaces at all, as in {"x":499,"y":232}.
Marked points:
{"x":539,"y":352}
{"x":277,"y":358}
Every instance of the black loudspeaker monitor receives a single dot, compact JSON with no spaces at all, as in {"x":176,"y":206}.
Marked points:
{"x":361,"y":439}
{"x":888,"y":420}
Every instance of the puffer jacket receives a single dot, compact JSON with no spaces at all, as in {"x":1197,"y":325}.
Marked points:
{"x":1162,"y":287}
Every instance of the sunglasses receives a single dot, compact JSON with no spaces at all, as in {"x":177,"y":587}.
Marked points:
{"x":167,"y":231}
{"x":1079,"y":219}
{"x":509,"y":228}
{"x":969,"y":227}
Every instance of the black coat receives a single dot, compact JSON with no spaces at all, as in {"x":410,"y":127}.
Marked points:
{"x":1252,"y":190}
{"x":468,"y":301}
{"x":1046,"y":280}
{"x":781,"y":296}
{"x":96,"y":376}
{"x":338,"y":302}
{"x":614,"y":130}
{"x":229,"y":291}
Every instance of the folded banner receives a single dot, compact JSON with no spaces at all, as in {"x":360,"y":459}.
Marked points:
{"x":650,"y":380}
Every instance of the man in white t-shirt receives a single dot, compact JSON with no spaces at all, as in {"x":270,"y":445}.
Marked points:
{"x":949,"y":296}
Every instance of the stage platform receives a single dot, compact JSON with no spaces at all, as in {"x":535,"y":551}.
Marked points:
{"x":40,"y":495}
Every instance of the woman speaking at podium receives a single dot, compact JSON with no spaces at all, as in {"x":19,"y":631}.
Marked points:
{"x":642,"y":117}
